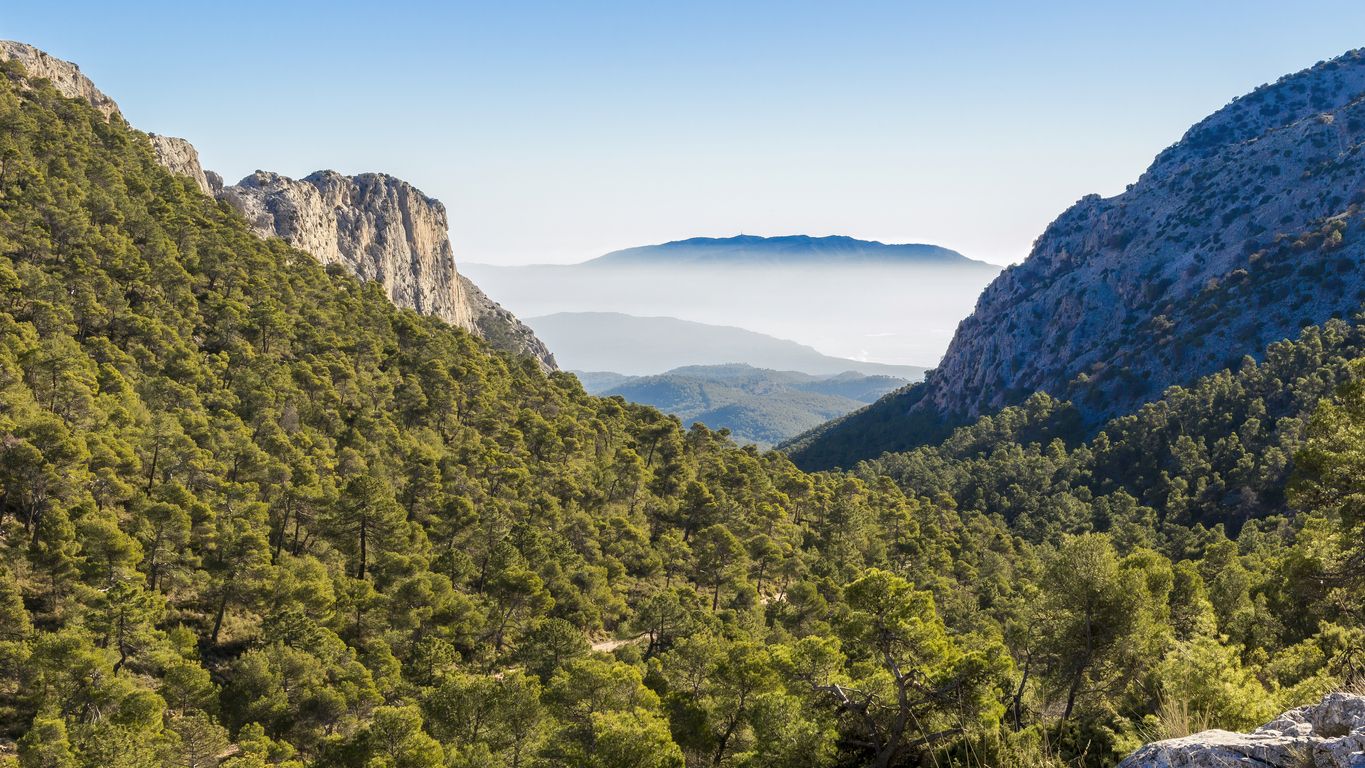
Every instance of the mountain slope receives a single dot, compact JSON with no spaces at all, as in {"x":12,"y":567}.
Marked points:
{"x":64,"y":76}
{"x":1218,"y":451}
{"x":251,"y":512}
{"x":789,"y":250}
{"x":758,"y":406}
{"x":504,"y":330}
{"x":1247,"y":229}
{"x":639,"y":346}
{"x":375,"y":226}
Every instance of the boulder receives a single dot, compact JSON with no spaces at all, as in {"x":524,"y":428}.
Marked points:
{"x":1329,"y":734}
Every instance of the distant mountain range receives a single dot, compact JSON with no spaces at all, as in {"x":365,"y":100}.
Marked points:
{"x":787,"y":250}
{"x":848,"y":298}
{"x":1249,"y":228}
{"x":626,"y":344}
{"x":757,"y":405}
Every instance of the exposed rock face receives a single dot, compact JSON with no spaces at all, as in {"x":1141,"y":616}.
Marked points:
{"x":502,"y":329}
{"x":65,"y":76}
{"x":1238,"y":235}
{"x":180,"y":157}
{"x":177,"y":155}
{"x":376,"y":226}
{"x":1277,"y":162}
{"x":383,"y":229}
{"x":1330,"y":734}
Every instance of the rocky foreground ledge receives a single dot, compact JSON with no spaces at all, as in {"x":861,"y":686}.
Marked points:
{"x":1330,"y":734}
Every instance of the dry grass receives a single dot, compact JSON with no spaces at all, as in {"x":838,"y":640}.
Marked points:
{"x":1354,"y":685}
{"x":1019,"y":750}
{"x":1177,"y":719}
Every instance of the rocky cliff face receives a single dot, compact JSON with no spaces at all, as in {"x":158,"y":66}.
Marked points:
{"x":1238,"y":235}
{"x":378,"y":227}
{"x":1118,"y":289}
{"x":64,"y":76}
{"x":1330,"y":734}
{"x":384,"y":229}
{"x":375,"y":226}
{"x":180,"y":157}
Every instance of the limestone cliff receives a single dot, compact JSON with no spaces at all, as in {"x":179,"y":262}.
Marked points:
{"x":180,"y":157}
{"x":1131,"y":294}
{"x":375,"y":226}
{"x":1245,"y":230}
{"x":64,"y":76}
{"x":383,"y":229}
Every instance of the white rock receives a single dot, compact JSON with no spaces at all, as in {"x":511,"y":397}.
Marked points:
{"x":384,"y":229}
{"x":1330,"y":734}
{"x":1114,"y":288}
{"x":64,"y":76}
{"x":180,"y":157}
{"x":378,"y":227}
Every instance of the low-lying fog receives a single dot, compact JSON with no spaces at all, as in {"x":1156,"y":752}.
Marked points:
{"x":902,"y":315}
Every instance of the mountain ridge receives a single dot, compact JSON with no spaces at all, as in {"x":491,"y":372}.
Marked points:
{"x":376,"y":226}
{"x":1242,"y":232}
{"x":784,"y":249}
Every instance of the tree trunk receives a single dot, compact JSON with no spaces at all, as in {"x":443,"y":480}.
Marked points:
{"x":360,"y":572}
{"x":218,"y":619}
{"x":1019,"y":695}
{"x":1071,"y":695}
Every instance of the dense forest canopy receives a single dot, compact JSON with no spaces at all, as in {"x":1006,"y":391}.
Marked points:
{"x":253,"y":515}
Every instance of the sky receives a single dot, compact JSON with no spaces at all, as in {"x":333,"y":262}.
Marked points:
{"x":558,"y":131}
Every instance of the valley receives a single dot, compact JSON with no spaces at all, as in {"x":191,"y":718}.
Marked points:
{"x":758,"y":406}
{"x":862,"y":304}
{"x":288,"y":482}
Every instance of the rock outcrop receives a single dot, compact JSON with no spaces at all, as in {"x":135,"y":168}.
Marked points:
{"x":1117,"y":289}
{"x":384,"y":229}
{"x":66,"y":77}
{"x":375,"y":226}
{"x":1330,"y":734}
{"x":180,"y":157}
{"x":1245,"y":230}
{"x":379,"y":228}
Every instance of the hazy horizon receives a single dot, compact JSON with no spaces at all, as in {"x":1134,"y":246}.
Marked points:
{"x":898,"y":315}
{"x":555,"y":134}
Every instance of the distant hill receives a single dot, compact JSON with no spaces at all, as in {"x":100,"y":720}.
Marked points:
{"x":752,"y":250}
{"x":757,"y":405}
{"x":611,"y":341}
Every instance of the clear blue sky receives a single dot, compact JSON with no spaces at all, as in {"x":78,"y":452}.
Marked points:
{"x":555,"y":131}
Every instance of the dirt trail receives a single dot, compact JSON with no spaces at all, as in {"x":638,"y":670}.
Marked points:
{"x":607,"y":646}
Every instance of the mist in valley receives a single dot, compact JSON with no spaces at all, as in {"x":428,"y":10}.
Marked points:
{"x":895,"y":314}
